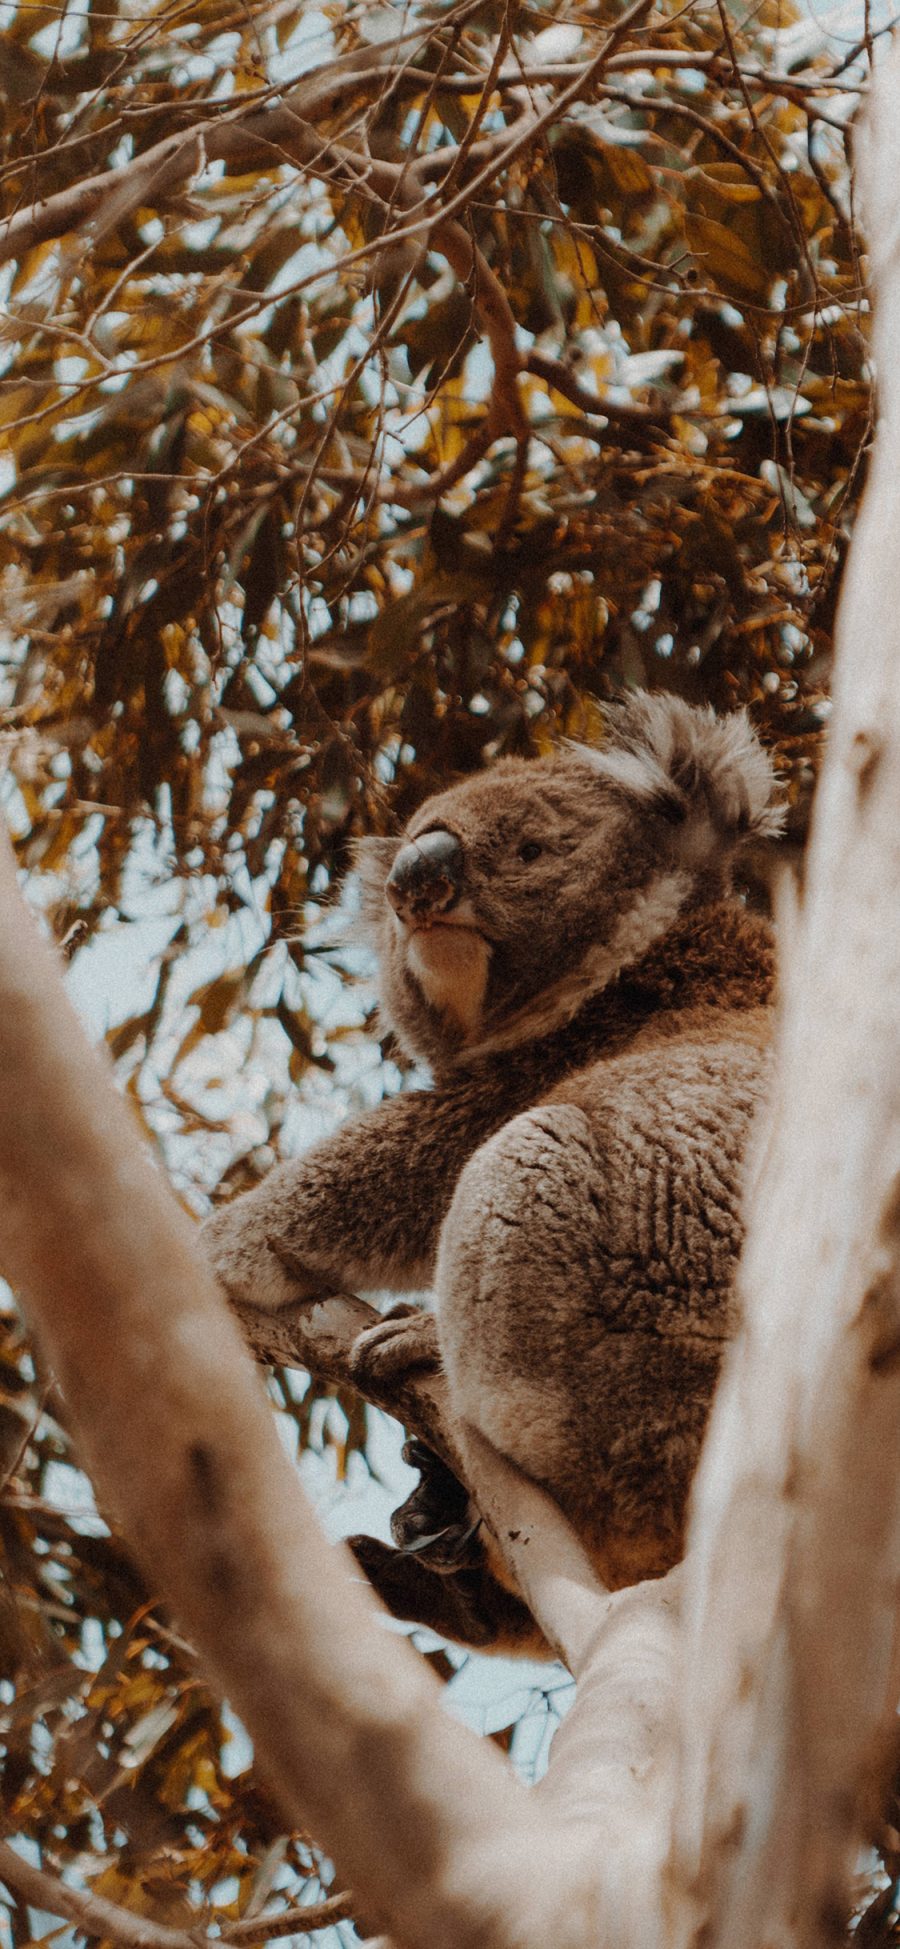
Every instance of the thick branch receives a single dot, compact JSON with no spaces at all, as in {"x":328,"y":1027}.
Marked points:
{"x":428,"y":1826}
{"x":791,"y":1604}
{"x":320,"y":1335}
{"x":553,"y":1572}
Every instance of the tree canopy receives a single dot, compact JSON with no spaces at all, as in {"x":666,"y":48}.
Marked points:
{"x":381,"y":391}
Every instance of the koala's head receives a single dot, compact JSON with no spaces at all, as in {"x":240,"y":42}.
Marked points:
{"x":515,"y":896}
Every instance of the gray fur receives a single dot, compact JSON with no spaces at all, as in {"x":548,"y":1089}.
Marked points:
{"x":708,"y":772}
{"x":596,"y":1020}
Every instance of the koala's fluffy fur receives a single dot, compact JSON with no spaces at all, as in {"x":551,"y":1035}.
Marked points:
{"x":595,"y":1015}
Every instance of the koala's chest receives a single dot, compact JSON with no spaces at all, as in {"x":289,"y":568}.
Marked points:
{"x":450,"y":966}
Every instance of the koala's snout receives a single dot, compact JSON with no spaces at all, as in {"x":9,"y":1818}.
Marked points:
{"x":427,"y":875}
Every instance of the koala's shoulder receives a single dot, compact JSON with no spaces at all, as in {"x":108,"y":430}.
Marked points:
{"x":720,"y":957}
{"x":701,"y":1008}
{"x":668,"y":1099}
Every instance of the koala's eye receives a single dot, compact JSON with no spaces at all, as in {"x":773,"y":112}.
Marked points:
{"x":529,"y":851}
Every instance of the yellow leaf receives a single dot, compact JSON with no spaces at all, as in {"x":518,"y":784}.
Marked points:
{"x":727,"y":182}
{"x":724,"y":260}
{"x":628,"y":169}
{"x":33,"y":259}
{"x":15,"y":403}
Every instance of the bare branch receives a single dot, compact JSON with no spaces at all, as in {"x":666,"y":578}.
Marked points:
{"x":302,"y":1919}
{"x":562,"y":379}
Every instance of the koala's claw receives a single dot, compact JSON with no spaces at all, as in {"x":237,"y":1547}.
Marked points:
{"x":455,"y":1547}
{"x":400,"y":1344}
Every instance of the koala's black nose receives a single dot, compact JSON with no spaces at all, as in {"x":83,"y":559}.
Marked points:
{"x":427,"y":874}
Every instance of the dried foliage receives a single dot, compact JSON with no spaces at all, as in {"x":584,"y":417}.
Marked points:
{"x":116,"y":1760}
{"x":381,"y":389}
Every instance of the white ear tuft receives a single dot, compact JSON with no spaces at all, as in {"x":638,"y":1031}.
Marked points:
{"x":691,"y":767}
{"x":372,"y":862}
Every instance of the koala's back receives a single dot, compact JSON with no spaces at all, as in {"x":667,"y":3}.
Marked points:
{"x":591,"y":1290}
{"x":670,"y":1124}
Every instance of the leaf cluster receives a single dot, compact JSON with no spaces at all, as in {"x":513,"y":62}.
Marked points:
{"x":300,"y":519}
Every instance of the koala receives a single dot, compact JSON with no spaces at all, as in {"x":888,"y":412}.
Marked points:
{"x":559,"y":942}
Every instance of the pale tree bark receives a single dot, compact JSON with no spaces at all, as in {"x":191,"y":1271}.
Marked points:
{"x":732,"y":1722}
{"x":791,"y":1604}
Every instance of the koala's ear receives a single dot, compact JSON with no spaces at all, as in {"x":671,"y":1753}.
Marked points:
{"x":372,"y":862}
{"x":709,"y":775}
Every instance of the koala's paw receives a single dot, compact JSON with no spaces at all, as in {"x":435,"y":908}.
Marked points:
{"x":413,"y":1592}
{"x":436,"y":1523}
{"x":236,"y":1244}
{"x":404,"y":1341}
{"x":468,"y":1605}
